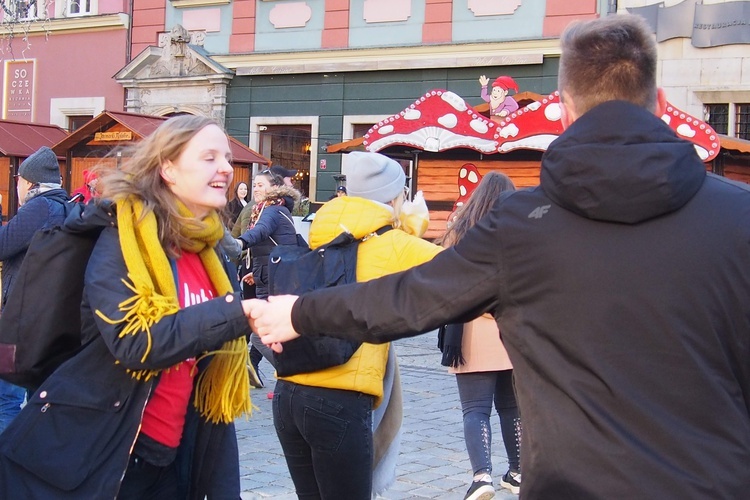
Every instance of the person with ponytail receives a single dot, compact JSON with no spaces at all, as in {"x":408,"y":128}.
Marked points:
{"x":475,"y":353}
{"x":146,"y":408}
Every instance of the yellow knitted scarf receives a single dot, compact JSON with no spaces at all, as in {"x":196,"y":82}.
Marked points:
{"x":223,"y":388}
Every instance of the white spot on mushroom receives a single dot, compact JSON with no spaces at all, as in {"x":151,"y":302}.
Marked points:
{"x":454,"y":100}
{"x":412,"y":114}
{"x":686,"y":130}
{"x":462,"y":190}
{"x":473,"y":177}
{"x":448,"y":121}
{"x":666,"y":118}
{"x":534,"y":106}
{"x":702,"y":153}
{"x":479,"y":126}
{"x":509,"y":131}
{"x":432,"y":144}
{"x":462,"y":173}
{"x":553,"y":112}
{"x":385,"y":130}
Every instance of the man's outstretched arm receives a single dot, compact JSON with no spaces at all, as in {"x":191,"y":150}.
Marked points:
{"x":459,"y":283}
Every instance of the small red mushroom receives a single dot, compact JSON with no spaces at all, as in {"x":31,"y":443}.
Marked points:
{"x":468,"y":180}
{"x":437,"y":121}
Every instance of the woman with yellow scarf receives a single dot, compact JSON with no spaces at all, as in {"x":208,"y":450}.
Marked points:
{"x":146,"y":408}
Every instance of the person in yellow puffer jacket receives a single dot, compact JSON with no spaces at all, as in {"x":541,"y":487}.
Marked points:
{"x":324,"y":419}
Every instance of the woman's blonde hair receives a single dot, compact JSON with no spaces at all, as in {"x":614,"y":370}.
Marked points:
{"x":140,"y":176}
{"x":397,"y":204}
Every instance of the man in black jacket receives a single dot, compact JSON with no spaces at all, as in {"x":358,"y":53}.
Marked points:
{"x":43,"y":204}
{"x":621,"y":286}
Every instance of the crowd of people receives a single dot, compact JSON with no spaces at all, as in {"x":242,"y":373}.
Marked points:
{"x":604,"y":313}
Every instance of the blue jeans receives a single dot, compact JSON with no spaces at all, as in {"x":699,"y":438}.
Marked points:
{"x":477,"y":391}
{"x":326,"y":435}
{"x":11,"y":399}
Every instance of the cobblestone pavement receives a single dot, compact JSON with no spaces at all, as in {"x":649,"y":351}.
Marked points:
{"x":433,"y":462}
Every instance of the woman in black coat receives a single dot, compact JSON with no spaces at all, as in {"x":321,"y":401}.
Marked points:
{"x":236,"y":204}
{"x":146,"y":407}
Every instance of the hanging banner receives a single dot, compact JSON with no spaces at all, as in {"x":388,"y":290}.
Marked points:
{"x":721,"y":24}
{"x":707,"y":25}
{"x":18,"y":91}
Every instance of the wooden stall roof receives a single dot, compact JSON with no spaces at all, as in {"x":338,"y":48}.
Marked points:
{"x":22,"y":139}
{"x":356,"y":144}
{"x":141,"y":126}
{"x":734,"y":144}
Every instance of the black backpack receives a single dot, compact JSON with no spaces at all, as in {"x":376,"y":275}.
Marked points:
{"x":40,"y":324}
{"x":297,"y":270}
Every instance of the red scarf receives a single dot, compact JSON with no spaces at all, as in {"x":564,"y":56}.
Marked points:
{"x":258,"y":208}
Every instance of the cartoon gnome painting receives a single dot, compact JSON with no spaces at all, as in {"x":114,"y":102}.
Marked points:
{"x":501,"y":103}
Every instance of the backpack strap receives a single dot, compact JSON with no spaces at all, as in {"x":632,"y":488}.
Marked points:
{"x":378,"y":232}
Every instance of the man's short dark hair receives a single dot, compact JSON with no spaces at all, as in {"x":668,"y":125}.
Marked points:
{"x":606,"y":59}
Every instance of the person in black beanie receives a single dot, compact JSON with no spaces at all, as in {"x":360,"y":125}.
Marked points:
{"x":42,"y":203}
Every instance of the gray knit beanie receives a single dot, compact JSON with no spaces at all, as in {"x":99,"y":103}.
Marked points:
{"x":41,"y":167}
{"x":374,"y":176}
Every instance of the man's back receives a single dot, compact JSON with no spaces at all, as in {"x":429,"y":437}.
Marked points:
{"x":629,"y":339}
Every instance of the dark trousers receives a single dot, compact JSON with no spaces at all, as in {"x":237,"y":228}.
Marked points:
{"x":144,"y":481}
{"x":326,"y":435}
{"x":477,"y":392}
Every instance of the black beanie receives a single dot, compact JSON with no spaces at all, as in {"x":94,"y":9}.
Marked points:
{"x":41,"y":167}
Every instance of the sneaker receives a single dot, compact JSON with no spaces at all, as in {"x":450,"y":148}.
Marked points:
{"x":512,"y":481}
{"x":480,"y":490}
{"x":255,"y":380}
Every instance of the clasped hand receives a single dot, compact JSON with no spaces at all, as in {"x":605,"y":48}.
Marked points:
{"x":272,"y":319}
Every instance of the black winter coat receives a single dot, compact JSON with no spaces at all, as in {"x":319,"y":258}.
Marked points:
{"x":621,"y":286}
{"x":274,"y":225}
{"x":74,"y":437}
{"x":43,"y":211}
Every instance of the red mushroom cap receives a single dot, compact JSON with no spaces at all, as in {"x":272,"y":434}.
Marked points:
{"x":532,"y":127}
{"x":437,"y":121}
{"x":704,"y":138}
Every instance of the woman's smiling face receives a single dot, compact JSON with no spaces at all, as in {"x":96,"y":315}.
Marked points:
{"x":261,"y":185}
{"x":201,"y":175}
{"x":242,"y":191}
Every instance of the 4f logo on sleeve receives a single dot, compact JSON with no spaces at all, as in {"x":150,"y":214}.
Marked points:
{"x":539,"y":212}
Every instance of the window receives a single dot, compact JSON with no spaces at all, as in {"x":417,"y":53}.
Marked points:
{"x":77,"y":121}
{"x":79,"y":7}
{"x":360,"y":129}
{"x":732,"y":119}
{"x":23,"y":9}
{"x":742,"y":123}
{"x":289,"y":146}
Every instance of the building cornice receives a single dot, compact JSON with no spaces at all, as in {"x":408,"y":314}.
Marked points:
{"x":392,"y":58}
{"x":197,"y":3}
{"x":67,"y":24}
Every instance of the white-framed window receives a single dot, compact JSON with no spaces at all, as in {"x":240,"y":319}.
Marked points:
{"x":357,"y":126}
{"x":729,"y":118}
{"x":289,"y":141}
{"x":22,"y":10}
{"x":64,"y":110}
{"x":79,"y":7}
